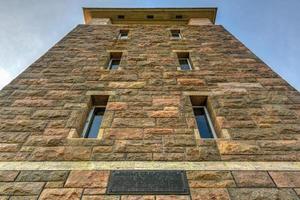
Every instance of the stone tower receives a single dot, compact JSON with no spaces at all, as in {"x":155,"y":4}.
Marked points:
{"x":149,"y":104}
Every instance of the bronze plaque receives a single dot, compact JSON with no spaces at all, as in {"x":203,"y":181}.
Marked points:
{"x":147,"y":182}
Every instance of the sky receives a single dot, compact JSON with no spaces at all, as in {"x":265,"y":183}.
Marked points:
{"x":269,"y":28}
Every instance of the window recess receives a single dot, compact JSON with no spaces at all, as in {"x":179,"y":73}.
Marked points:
{"x":184,"y":61}
{"x":123,"y":34}
{"x":204,"y":124}
{"x":95,"y":117}
{"x":114,"y":60}
{"x":175,"y":34}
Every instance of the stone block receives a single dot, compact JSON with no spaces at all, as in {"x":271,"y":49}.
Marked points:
{"x":133,"y":122}
{"x":42,"y":176}
{"x":87,"y":179}
{"x":20,"y":188}
{"x":61,"y":193}
{"x":209,"y":194}
{"x":237,"y":147}
{"x":116,"y":106}
{"x":172,"y":197}
{"x":253,"y":179}
{"x":123,"y":133}
{"x":210,"y":179}
{"x":8,"y":175}
{"x":138,"y":197}
{"x":262,"y":193}
{"x":286,"y":179}
{"x":61,"y":153}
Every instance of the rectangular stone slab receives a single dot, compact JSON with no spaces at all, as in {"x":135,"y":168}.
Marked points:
{"x":147,"y":182}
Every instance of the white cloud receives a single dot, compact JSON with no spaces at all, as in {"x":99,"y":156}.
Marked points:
{"x":5,"y":77}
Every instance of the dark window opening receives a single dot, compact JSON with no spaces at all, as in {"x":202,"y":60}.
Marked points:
{"x":95,"y":117}
{"x":179,"y":17}
{"x":184,"y":61}
{"x":150,"y":16}
{"x":94,"y":122}
{"x":204,"y":124}
{"x":115,"y":60}
{"x":176,"y":34}
{"x":121,"y":17}
{"x":123,"y":34}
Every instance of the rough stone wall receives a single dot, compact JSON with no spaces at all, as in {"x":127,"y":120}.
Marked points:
{"x":149,"y":115}
{"x":204,"y":185}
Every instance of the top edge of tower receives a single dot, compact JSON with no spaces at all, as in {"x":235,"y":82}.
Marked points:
{"x":150,"y":15}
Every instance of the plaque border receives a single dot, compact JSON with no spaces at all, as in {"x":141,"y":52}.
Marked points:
{"x":185,"y":189}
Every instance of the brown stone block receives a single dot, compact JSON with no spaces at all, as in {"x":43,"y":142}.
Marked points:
{"x":158,"y":131}
{"x":22,"y":125}
{"x":13,"y":137}
{"x":286,"y":179}
{"x":133,"y":122}
{"x":168,"y":156}
{"x":252,"y":179}
{"x":100,"y":197}
{"x":171,"y":122}
{"x":61,"y":193}
{"x":50,"y":114}
{"x":209,"y":194}
{"x":108,"y":156}
{"x":34,"y":103}
{"x":61,"y":153}
{"x":42,"y":176}
{"x":138,"y":197}
{"x":63,"y":95}
{"x":8,"y":175}
{"x":116,"y":106}
{"x":9,"y":147}
{"x":172,"y":197}
{"x":20,"y":188}
{"x":166,"y":102}
{"x":262,"y":193}
{"x":237,"y":147}
{"x":210,"y":179}
{"x":191,"y":81}
{"x":280,"y":145}
{"x":163,"y":113}
{"x":127,"y":85}
{"x":139,"y":156}
{"x":56,"y":131}
{"x":123,"y":133}
{"x":94,"y":191}
{"x":179,"y":140}
{"x":45,"y":141}
{"x":55,"y":184}
{"x":102,"y":149}
{"x":87,"y":179}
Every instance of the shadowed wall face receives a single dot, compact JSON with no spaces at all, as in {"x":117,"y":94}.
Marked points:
{"x":149,"y":114}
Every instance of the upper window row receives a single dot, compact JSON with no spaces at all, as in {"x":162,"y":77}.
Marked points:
{"x":175,"y":34}
{"x":183,"y":60}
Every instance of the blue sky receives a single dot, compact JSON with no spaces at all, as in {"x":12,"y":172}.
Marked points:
{"x":270,"y":28}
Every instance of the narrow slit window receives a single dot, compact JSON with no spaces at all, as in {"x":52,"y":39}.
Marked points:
{"x":204,"y":124}
{"x":184,"y":61}
{"x":176,"y":34}
{"x":150,"y":16}
{"x":123,"y":34}
{"x":115,"y":60}
{"x":95,"y":117}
